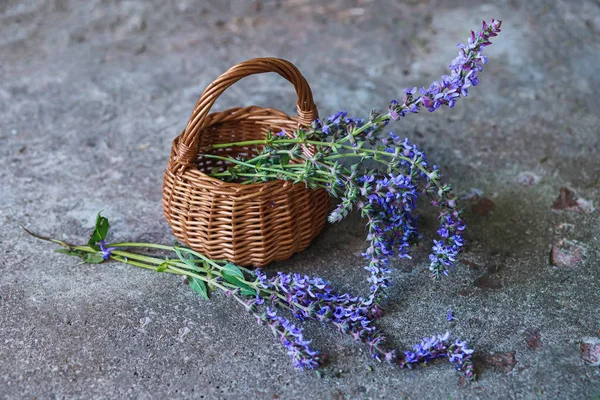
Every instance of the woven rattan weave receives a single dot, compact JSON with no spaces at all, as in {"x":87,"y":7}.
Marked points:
{"x":248,"y":224}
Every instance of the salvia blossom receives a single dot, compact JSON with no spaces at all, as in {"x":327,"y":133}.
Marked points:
{"x":463,"y":75}
{"x":450,"y":316}
{"x":106,"y":252}
{"x":314,"y":298}
{"x":441,"y":346}
{"x":391,"y":234}
{"x":303,"y":356}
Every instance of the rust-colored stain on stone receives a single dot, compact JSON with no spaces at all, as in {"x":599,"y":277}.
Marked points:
{"x":504,"y":362}
{"x":483,"y":207}
{"x":533,"y":338}
{"x":487,"y":282}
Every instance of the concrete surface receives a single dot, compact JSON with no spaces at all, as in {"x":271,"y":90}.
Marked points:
{"x":93,"y":92}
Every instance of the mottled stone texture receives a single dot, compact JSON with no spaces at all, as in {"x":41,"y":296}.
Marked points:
{"x":92,"y":93}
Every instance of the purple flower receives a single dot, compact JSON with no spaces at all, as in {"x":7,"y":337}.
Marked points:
{"x":440,"y":347}
{"x":388,"y":202}
{"x":313,"y":298}
{"x":393,"y":110}
{"x":450,"y":316}
{"x":387,"y":199}
{"x":463,"y":74}
{"x":303,"y":356}
{"x":337,"y":118}
{"x":106,"y":252}
{"x":393,"y":136}
{"x":445,"y":251}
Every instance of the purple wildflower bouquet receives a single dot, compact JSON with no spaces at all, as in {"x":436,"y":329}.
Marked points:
{"x":386,"y":197}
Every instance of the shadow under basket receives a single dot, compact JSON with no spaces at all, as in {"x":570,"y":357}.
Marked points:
{"x":247,"y":224}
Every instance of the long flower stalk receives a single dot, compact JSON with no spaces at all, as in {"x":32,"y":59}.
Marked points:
{"x":304,"y":297}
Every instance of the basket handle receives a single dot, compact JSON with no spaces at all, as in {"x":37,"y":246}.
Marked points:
{"x":187,"y":148}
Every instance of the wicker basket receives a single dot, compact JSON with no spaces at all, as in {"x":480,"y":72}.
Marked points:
{"x":248,"y":224}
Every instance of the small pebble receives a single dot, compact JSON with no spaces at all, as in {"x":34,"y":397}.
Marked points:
{"x":566,"y":227}
{"x":528,"y":179}
{"x":144,"y":321}
{"x":590,"y":351}
{"x":567,"y":200}
{"x":567,"y":253}
{"x":472,"y":194}
{"x":183,"y":332}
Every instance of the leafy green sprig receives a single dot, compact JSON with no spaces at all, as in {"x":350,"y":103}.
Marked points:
{"x":304,"y":297}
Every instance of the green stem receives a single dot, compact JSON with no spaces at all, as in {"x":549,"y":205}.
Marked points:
{"x":381,"y":153}
{"x":173,"y":267}
{"x":162,"y":247}
{"x":369,"y":124}
{"x":172,"y":270}
{"x":238,"y":162}
{"x":179,"y":268}
{"x":126,"y":260}
{"x":225,"y":286}
{"x":328,"y":144}
{"x":258,"y":142}
{"x":227,"y":159}
{"x":274,"y":176}
{"x":152,"y":260}
{"x":247,"y":175}
{"x":141,"y":244}
{"x":319,"y":143}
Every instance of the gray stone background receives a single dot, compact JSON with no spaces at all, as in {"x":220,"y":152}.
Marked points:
{"x":93,"y":92}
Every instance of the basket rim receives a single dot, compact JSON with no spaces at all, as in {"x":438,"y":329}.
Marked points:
{"x":193,"y":171}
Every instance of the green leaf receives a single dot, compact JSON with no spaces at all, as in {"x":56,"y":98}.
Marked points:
{"x":199,"y":286}
{"x":230,"y":278}
{"x":100,"y":231}
{"x":101,"y":227}
{"x":234,"y":270}
{"x":284,"y":159}
{"x":162,"y":267}
{"x":237,"y":279}
{"x":247,"y":291}
{"x":186,"y":260}
{"x":92,"y":258}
